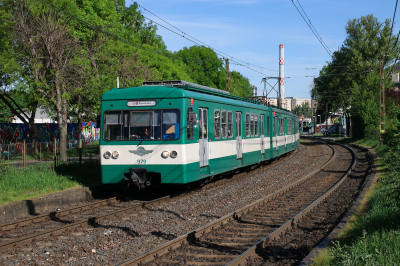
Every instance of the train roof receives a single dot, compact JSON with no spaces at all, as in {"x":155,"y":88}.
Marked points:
{"x":175,"y":89}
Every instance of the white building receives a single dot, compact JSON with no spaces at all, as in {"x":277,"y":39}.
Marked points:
{"x":290,"y":103}
{"x":40,"y":117}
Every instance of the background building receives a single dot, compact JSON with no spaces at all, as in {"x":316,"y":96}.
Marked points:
{"x":290,"y":103}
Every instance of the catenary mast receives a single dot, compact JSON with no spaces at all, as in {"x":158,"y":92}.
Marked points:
{"x":281,"y":74}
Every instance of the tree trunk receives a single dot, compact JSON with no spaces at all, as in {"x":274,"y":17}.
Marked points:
{"x":62,"y":127}
{"x":80,"y":135}
{"x":31,"y":129}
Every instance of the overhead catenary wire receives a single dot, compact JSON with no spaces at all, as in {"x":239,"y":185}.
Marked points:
{"x":119,"y":38}
{"x":391,"y":29}
{"x":327,"y":50}
{"x":197,"y":40}
{"x":126,"y":41}
{"x":313,"y":27}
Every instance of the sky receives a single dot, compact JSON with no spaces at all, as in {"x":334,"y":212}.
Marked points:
{"x":252,"y":30}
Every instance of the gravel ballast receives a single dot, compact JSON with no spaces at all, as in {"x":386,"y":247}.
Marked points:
{"x":115,"y":240}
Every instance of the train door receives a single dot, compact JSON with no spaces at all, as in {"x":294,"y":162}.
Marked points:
{"x":276,"y":131}
{"x":262,"y":134}
{"x":285,"y":130}
{"x":203,"y":136}
{"x":239,"y":143}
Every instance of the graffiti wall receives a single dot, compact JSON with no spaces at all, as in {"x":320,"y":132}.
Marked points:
{"x":16,"y":133}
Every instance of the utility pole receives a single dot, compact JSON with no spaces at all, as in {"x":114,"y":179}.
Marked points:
{"x":228,"y":87}
{"x":382,"y":121}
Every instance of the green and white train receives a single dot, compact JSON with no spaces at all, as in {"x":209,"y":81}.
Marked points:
{"x":176,"y":132}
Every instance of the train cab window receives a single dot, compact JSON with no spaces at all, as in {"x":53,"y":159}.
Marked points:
{"x":141,"y":125}
{"x":230,"y":124}
{"x":170,"y":124}
{"x":224,"y":124}
{"x":247,"y":125}
{"x":217,"y":124}
{"x":267,"y":125}
{"x":256,"y":125}
{"x":112,"y":125}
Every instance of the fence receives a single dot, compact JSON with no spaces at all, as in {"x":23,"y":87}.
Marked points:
{"x":21,"y":153}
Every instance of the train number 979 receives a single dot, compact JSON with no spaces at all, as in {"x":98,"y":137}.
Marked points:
{"x":141,"y":161}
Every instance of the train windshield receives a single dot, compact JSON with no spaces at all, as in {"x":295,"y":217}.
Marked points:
{"x":142,"y":125}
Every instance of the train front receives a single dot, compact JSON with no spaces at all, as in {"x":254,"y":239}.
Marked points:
{"x":141,"y":138}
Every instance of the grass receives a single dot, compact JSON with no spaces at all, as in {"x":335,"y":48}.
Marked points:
{"x":40,"y":179}
{"x":372,"y":236}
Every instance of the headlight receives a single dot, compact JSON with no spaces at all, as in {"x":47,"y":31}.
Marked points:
{"x":107,"y":155}
{"x":174,"y":154}
{"x":115,"y":155}
{"x":165,"y":154}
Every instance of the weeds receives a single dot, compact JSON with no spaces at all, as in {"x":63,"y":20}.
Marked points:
{"x":40,"y":179}
{"x":374,"y":238}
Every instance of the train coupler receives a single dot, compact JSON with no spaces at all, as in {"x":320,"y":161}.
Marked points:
{"x":138,"y":176}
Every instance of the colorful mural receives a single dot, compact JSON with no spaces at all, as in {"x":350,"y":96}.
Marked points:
{"x":16,"y":133}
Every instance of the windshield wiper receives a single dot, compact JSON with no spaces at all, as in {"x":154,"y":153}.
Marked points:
{"x":147,"y":136}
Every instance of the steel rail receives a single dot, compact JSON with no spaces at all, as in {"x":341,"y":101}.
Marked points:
{"x":78,"y":224}
{"x":57,"y":214}
{"x":197,"y":233}
{"x":251,"y":253}
{"x":90,"y":221}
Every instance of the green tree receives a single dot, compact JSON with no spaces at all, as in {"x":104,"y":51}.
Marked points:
{"x":303,"y":109}
{"x":240,"y":85}
{"x":351,"y":79}
{"x":203,"y":66}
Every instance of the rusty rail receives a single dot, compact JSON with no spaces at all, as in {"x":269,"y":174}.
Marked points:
{"x":195,"y":234}
{"x":251,"y":253}
{"x":90,"y":221}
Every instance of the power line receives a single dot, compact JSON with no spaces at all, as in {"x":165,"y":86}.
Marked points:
{"x":313,"y":27}
{"x":327,"y":50}
{"x":106,"y":32}
{"x":123,"y":40}
{"x":185,"y":34}
{"x":341,"y":74}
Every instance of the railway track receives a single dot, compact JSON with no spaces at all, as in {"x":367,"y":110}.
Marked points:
{"x":36,"y":228}
{"x":238,"y":238}
{"x":43,"y":226}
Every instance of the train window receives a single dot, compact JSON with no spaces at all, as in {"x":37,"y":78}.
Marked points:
{"x":247,"y":125}
{"x":268,"y":125}
{"x":281,"y":127}
{"x":170,"y":124}
{"x":256,"y":125}
{"x":189,"y":126}
{"x":142,"y":125}
{"x":252,"y":125}
{"x":217,"y":124}
{"x":230,"y":124}
{"x":112,"y":125}
{"x":224,"y":125}
{"x":289,"y":126}
{"x":205,"y":125}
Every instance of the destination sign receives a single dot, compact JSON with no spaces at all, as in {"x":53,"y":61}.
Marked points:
{"x":141,"y":103}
